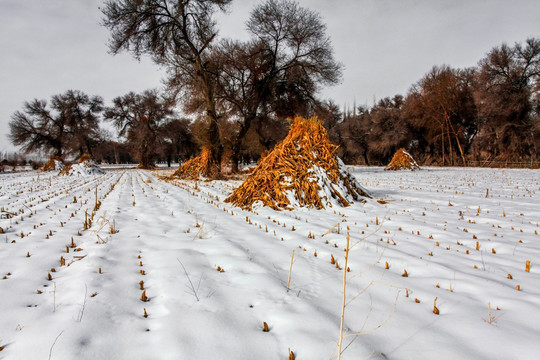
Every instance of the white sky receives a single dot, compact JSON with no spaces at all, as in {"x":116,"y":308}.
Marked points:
{"x":50,"y":46}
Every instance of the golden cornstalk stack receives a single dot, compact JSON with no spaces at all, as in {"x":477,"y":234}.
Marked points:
{"x":51,"y":165}
{"x":85,"y":158}
{"x":402,"y":160}
{"x":65,"y":171}
{"x":304,"y":169}
{"x":199,"y":167}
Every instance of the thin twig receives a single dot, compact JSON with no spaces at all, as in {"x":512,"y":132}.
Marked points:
{"x":50,"y":351}
{"x":81,"y":312}
{"x":330,"y":231}
{"x":370,"y":234}
{"x":371,"y":266}
{"x":199,"y":283}
{"x":193,"y":290}
{"x":381,"y":324}
{"x":54,"y":297}
{"x":483,"y":264}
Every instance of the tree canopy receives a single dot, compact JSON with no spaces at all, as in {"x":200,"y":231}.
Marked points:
{"x":140,"y":117}
{"x":69,"y":124}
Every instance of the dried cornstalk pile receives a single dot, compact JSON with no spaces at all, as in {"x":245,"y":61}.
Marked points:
{"x":146,"y":167}
{"x":303,"y":170}
{"x":55,"y":163}
{"x":402,"y":160}
{"x":85,"y":166}
{"x":202,"y":166}
{"x":86,"y":157}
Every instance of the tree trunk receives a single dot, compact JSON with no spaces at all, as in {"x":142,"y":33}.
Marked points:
{"x":237,"y":143}
{"x":450,"y":147}
{"x":88,"y":147}
{"x":58,"y":151}
{"x":442,"y":143}
{"x":144,"y":154}
{"x":145,"y":163}
{"x":366,"y":157}
{"x":214,"y":140}
{"x":146,"y":148}
{"x":459,"y":145}
{"x":267,"y":143}
{"x":115,"y":152}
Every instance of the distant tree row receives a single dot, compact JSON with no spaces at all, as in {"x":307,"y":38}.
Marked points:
{"x":239,"y":95}
{"x":453,"y":116}
{"x":16,"y":160}
{"x":69,"y":126}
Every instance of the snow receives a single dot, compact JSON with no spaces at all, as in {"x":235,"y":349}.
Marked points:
{"x":58,"y":165}
{"x":320,"y":176}
{"x":85,"y":168}
{"x":165,"y":226}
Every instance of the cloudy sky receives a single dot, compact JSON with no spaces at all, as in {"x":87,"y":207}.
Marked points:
{"x":50,"y":46}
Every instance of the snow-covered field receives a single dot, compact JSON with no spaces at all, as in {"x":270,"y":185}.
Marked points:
{"x":70,"y":293}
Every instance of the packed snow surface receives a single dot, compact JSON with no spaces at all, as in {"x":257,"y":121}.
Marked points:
{"x":212,"y":274}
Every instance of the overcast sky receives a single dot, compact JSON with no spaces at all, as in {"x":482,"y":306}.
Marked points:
{"x":50,"y":46}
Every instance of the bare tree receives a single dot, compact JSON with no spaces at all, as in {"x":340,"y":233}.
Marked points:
{"x":299,"y":54}
{"x":441,"y":108}
{"x":70,"y":124}
{"x":243,"y":88}
{"x":112,"y":152}
{"x":83,"y":114}
{"x":176,"y":140}
{"x":278,"y":72}
{"x":296,"y":39}
{"x":387,"y":129}
{"x":36,"y":128}
{"x":353,"y":134}
{"x":506,"y":95}
{"x":177,"y":35}
{"x":329,"y":113}
{"x":139,"y":117}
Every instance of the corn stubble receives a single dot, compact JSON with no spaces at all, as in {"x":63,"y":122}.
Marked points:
{"x":144,"y":298}
{"x":435,"y":308}
{"x":291,"y":355}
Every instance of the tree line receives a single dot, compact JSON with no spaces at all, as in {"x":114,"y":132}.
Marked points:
{"x":474,"y":116}
{"x":69,"y":125}
{"x":238,"y":95}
